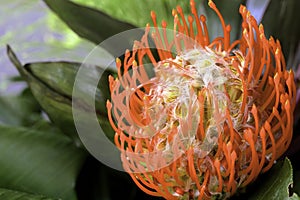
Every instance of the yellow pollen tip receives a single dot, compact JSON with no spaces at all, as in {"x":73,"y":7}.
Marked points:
{"x":134,"y":46}
{"x":134,"y":63}
{"x":176,"y":18}
{"x":248,"y":14}
{"x":287,"y":105}
{"x":108,"y":105}
{"x":261,"y":36}
{"x":276,"y":77}
{"x":174,"y":12}
{"x":118,"y":60}
{"x":211,"y":4}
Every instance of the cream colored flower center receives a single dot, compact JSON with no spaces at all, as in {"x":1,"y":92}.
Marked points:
{"x":197,"y":86}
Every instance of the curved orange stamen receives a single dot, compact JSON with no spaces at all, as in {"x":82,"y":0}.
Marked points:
{"x":226,"y":29}
{"x":273,"y":147}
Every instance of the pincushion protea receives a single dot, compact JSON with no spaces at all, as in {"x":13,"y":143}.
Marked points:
{"x":214,"y":116}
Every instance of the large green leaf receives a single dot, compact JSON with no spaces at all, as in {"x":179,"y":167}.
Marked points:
{"x":6,"y":194}
{"x":39,"y":162}
{"x":273,"y":185}
{"x":92,"y":24}
{"x":52,"y":85}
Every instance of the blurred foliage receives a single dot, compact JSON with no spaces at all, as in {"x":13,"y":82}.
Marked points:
{"x":6,"y":194}
{"x":39,"y":35}
{"x":15,"y":109}
{"x":82,"y":20}
{"x":71,"y":40}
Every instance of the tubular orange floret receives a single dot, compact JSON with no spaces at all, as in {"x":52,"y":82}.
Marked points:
{"x":191,"y":21}
{"x":231,"y":185}
{"x":254,"y":159}
{"x":220,"y":178}
{"x":185,"y":26}
{"x":226,"y":31}
{"x":212,"y":118}
{"x":199,"y":36}
{"x":206,"y":34}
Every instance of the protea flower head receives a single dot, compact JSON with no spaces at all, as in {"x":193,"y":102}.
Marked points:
{"x":215,"y":115}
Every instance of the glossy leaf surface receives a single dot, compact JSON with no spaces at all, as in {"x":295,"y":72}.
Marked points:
{"x":39,"y":161}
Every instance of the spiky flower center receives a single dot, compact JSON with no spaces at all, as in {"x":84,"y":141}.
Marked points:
{"x":196,"y":80}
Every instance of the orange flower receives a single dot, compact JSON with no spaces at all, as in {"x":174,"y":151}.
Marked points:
{"x":215,"y":115}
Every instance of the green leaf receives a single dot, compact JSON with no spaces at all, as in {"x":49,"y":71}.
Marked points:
{"x":17,"y":195}
{"x":281,"y":21}
{"x":39,"y":162}
{"x":22,"y":110}
{"x":294,"y":197}
{"x":52,"y":85}
{"x":274,"y":184}
{"x":57,"y":106}
{"x":91,"y":24}
{"x":141,"y":15}
{"x":61,"y":76}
